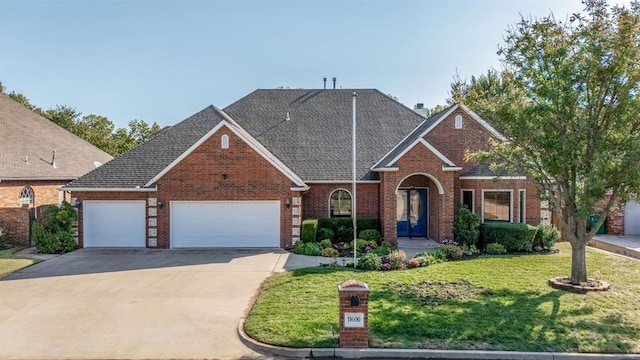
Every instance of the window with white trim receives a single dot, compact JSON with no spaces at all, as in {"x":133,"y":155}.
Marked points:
{"x":340,"y":203}
{"x":224,"y":141}
{"x":27,"y":196}
{"x":467,"y":199}
{"x":458,"y":122}
{"x":496,"y":205}
{"x":522,"y":204}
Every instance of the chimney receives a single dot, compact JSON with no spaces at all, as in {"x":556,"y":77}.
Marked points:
{"x":325,"y":82}
{"x":334,"y":83}
{"x":419,"y":106}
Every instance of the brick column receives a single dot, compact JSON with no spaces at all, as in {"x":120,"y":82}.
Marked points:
{"x":354,"y":314}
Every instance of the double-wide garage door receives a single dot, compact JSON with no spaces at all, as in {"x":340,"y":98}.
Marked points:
{"x":199,"y":224}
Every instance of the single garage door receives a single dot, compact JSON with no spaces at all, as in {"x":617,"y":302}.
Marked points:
{"x":113,"y":223}
{"x":200,"y":224}
{"x":632,"y":218}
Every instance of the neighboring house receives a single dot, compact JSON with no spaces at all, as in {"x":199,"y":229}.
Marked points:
{"x":247,"y":175}
{"x":37,"y":157}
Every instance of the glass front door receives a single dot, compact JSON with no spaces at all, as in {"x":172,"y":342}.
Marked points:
{"x":411,"y":213}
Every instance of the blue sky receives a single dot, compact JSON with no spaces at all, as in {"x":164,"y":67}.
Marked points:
{"x":165,"y":60}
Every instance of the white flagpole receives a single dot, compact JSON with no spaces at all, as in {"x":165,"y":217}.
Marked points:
{"x":353,"y":185}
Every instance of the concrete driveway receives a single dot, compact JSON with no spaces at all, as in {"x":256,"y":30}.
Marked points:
{"x":134,"y":304}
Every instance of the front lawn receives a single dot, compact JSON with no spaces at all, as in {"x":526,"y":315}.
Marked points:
{"x":9,"y":263}
{"x":489,"y":303}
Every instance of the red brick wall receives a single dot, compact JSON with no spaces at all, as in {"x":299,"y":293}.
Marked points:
{"x":46,"y":191}
{"x":16,"y":224}
{"x":211,"y":173}
{"x":454,"y":143}
{"x":316,"y":200}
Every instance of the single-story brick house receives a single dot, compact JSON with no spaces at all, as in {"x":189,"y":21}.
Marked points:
{"x":37,"y":157}
{"x":247,"y":175}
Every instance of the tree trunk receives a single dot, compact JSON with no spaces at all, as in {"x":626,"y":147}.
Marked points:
{"x":578,"y":262}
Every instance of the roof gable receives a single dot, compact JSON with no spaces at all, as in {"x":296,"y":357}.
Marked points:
{"x":142,"y":167}
{"x":28,"y":142}
{"x":239,"y":132}
{"x":425,"y":128}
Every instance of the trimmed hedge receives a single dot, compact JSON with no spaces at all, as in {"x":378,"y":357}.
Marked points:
{"x":343,"y":227}
{"x":515,"y":237}
{"x":309,"y":230}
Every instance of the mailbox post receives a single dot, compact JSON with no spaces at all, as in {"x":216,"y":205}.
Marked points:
{"x":354,"y":314}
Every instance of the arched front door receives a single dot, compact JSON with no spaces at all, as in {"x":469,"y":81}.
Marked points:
{"x":411,"y":212}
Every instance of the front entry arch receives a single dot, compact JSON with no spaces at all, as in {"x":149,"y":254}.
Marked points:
{"x":418,"y":198}
{"x":411,"y":212}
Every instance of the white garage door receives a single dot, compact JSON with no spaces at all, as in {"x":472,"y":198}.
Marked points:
{"x":632,"y":218}
{"x":199,"y":224}
{"x":113,"y":223}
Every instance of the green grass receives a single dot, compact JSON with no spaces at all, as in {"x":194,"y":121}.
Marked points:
{"x":9,"y":263}
{"x":510,"y":308}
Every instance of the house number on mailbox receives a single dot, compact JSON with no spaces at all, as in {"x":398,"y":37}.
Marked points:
{"x":353,"y":320}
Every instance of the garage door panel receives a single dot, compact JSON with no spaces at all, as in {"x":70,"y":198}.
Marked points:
{"x":113,"y":223}
{"x":225,"y":224}
{"x":632,"y":218}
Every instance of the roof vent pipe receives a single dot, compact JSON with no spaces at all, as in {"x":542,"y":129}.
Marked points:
{"x":325,"y":82}
{"x":334,"y":83}
{"x":53,"y":159}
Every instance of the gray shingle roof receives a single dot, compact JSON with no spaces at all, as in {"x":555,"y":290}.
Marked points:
{"x":27,"y":141}
{"x":484,"y":171}
{"x":137,"y":167}
{"x":316,"y":140}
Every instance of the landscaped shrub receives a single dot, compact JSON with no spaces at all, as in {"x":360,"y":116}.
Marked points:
{"x":514,"y":237}
{"x":344,"y":234}
{"x":465,"y":227}
{"x":426,"y":259}
{"x":440,"y":255}
{"x":310,"y":249}
{"x":309,"y":230}
{"x":546,"y":237}
{"x":451,"y":252}
{"x":495,"y":249}
{"x":335,"y":224}
{"x":325,"y":233}
{"x":367,"y":224}
{"x":360,"y":244}
{"x":370,"y":261}
{"x":370,"y":234}
{"x":54,"y":233}
{"x":330,"y":252}
{"x":398,"y":259}
{"x":384,"y":249}
{"x":325,"y":243}
{"x":3,"y":238}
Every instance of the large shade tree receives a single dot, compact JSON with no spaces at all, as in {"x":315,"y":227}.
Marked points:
{"x":569,"y":103}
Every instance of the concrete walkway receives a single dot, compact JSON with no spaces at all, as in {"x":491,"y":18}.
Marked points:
{"x":620,"y":244}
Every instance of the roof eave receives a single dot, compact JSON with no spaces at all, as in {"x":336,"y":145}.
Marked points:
{"x":108,"y":189}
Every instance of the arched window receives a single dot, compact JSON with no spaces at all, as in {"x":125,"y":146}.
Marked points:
{"x":340,"y":203}
{"x":27,"y":196}
{"x":224,"y":141}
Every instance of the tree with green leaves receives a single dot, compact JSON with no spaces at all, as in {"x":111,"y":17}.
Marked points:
{"x":571,"y":114}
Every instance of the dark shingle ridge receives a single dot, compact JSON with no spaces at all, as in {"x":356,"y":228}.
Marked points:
{"x":138,"y":166}
{"x":315,"y":141}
